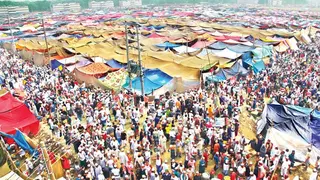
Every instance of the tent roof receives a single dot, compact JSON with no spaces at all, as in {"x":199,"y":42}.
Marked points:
{"x":15,"y":114}
{"x":115,"y":64}
{"x":218,"y":45}
{"x":226,"y":53}
{"x":201,"y":44}
{"x":167,"y":45}
{"x":94,"y":68}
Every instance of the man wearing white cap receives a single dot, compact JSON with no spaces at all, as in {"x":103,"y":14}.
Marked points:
{"x":314,"y":175}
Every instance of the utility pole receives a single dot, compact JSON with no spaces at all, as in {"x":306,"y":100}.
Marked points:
{"x":47,"y":160}
{"x":12,"y":46}
{"x":139,"y":57}
{"x":128,"y":60}
{"x":45,"y":38}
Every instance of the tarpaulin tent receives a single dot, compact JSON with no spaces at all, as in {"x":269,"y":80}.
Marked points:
{"x":95,"y":69}
{"x":115,"y":80}
{"x":239,"y":48}
{"x":281,"y":47}
{"x":153,"y":80}
{"x":291,"y":127}
{"x":226,"y":53}
{"x":262,"y":52}
{"x":185,"y":49}
{"x":167,"y":45}
{"x":202,"y":44}
{"x":79,"y":64}
{"x":218,"y":45}
{"x":225,"y":74}
{"x":115,"y":64}
{"x":21,"y":141}
{"x":16,"y":115}
{"x":72,"y":60}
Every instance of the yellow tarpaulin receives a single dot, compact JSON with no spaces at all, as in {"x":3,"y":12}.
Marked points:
{"x":292,"y":42}
{"x":57,"y":169}
{"x":281,"y":47}
{"x":4,"y":170}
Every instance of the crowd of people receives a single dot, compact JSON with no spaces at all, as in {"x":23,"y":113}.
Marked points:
{"x":179,"y":136}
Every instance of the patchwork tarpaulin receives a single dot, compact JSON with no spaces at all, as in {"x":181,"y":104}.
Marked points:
{"x":153,"y":80}
{"x":16,"y":115}
{"x":115,"y":80}
{"x":291,"y":127}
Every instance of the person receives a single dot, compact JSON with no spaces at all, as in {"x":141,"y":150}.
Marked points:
{"x":252,"y":176}
{"x":314,"y":175}
{"x":307,"y":159}
{"x":202,"y":165}
{"x":292,"y":158}
{"x":233,"y":175}
{"x":166,"y":175}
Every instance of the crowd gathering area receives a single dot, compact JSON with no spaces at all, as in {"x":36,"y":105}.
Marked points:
{"x":230,"y":93}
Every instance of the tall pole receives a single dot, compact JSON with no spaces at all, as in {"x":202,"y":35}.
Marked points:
{"x":128,"y":61}
{"x":47,"y":160}
{"x":45,"y":38}
{"x":9,"y":21}
{"x":139,"y":57}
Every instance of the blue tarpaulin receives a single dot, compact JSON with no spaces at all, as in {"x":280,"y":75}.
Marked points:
{"x":225,"y":74}
{"x":315,"y":128}
{"x":239,"y":48}
{"x":258,"y":66}
{"x":167,"y":45}
{"x":19,"y":138}
{"x":295,"y":120}
{"x":153,"y":80}
{"x":218,"y":45}
{"x":115,"y":64}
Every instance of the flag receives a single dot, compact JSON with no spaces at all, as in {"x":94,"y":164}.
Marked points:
{"x":60,"y":68}
{"x":56,"y":64}
{"x":21,"y":141}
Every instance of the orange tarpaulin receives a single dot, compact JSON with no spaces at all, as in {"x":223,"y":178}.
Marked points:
{"x":95,"y":69}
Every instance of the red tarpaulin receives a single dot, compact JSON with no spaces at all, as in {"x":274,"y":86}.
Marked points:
{"x":15,"y":114}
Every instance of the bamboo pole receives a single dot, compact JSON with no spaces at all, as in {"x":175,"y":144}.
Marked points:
{"x":15,"y":168}
{"x":47,"y":160}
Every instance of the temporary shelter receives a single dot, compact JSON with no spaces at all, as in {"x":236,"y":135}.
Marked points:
{"x":153,"y":80}
{"x":16,"y":115}
{"x":292,"y":127}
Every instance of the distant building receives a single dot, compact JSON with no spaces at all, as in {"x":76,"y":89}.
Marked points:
{"x":130,"y":3}
{"x":101,"y":4}
{"x":276,"y":3}
{"x":66,"y":7}
{"x":314,"y":3}
{"x":12,"y":10}
{"x":247,"y":1}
